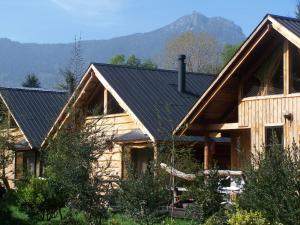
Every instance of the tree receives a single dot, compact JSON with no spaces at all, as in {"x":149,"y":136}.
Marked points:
{"x":31,"y":81}
{"x":133,"y":61}
{"x":297,"y":12}
{"x":72,"y":164}
{"x":273,"y":185}
{"x":70,"y":80}
{"x":148,"y":64}
{"x":207,"y":199}
{"x":118,"y":59}
{"x":202,"y":52}
{"x":73,"y":72}
{"x":142,"y":195}
{"x":228,"y":52}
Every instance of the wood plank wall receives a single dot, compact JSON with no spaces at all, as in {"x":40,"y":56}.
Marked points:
{"x":257,"y":113}
{"x":114,"y":124}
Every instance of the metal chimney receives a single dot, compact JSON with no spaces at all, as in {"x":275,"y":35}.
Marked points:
{"x":181,"y":73}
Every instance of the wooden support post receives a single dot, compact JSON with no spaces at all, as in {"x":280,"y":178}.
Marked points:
{"x":105,"y":101}
{"x":206,"y":156}
{"x":209,"y":150}
{"x":286,"y":68}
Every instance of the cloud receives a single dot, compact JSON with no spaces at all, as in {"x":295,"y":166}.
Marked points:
{"x":91,"y":7}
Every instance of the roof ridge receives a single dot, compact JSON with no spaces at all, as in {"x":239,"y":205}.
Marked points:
{"x":141,"y":68}
{"x":33,"y":89}
{"x":284,"y":17}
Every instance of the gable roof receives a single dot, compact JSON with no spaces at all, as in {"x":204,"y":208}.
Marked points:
{"x":286,"y":26}
{"x":34,"y":110}
{"x":150,"y":96}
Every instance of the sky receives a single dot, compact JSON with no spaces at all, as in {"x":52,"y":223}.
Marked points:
{"x":59,"y":21}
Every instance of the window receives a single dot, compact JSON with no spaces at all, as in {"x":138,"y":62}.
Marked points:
{"x":295,"y":69}
{"x":267,"y":78}
{"x":25,"y":163}
{"x":274,"y":134}
{"x":141,"y":159}
{"x":95,"y":103}
{"x":113,"y":106}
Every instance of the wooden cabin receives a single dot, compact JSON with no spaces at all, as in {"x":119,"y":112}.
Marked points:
{"x":255,"y":95}
{"x":140,"y":107}
{"x":26,"y":115}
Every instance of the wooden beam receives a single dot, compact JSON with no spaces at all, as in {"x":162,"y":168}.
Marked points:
{"x":83,"y":90}
{"x":121,"y":101}
{"x":223,"y":126}
{"x":217,"y":127}
{"x":105,"y":101}
{"x":286,"y":68}
{"x":191,"y":177}
{"x":285,"y":32}
{"x":207,"y":156}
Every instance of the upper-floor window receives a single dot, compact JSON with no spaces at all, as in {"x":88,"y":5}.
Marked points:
{"x":267,"y":77}
{"x":113,"y":106}
{"x":294,"y":69}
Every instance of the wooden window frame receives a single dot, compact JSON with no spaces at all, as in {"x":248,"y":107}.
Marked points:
{"x":268,"y":126}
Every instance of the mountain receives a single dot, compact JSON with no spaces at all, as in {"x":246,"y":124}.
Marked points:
{"x":18,"y":59}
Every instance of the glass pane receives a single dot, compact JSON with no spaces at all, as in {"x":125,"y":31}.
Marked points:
{"x":274,"y":134}
{"x":295,"y":69}
{"x":113,"y":106}
{"x":19,"y":165}
{"x":267,"y":78}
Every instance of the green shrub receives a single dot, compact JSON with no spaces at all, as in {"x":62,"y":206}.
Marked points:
{"x":142,"y":195}
{"x":219,"y":218}
{"x":273,"y":184}
{"x":207,"y":199}
{"x":39,"y":199}
{"x":243,"y":217}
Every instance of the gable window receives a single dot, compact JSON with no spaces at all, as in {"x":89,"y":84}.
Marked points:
{"x":295,"y":69}
{"x":267,"y":78}
{"x":274,"y":134}
{"x":113,"y":106}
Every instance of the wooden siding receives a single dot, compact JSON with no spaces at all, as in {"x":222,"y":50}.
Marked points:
{"x":17,"y":136}
{"x":259,"y":112}
{"x":114,"y":124}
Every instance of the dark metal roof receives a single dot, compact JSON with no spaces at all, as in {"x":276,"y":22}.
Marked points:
{"x":152,"y":94}
{"x":34,"y":110}
{"x":134,"y":135}
{"x":291,"y":24}
{"x":138,"y":135}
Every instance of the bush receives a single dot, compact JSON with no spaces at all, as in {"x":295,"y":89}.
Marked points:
{"x":243,"y":217}
{"x":207,"y":199}
{"x":142,"y":195}
{"x":273,"y":184}
{"x":72,"y":161}
{"x":219,"y":218}
{"x":39,"y":199}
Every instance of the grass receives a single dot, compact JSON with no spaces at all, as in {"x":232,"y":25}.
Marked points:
{"x":119,"y":219}
{"x":11,"y":214}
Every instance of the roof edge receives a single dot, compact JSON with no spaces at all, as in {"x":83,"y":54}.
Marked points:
{"x":26,"y":138}
{"x":180,"y":128}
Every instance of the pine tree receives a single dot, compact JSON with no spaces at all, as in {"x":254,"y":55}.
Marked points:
{"x":31,"y":81}
{"x":73,"y":72}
